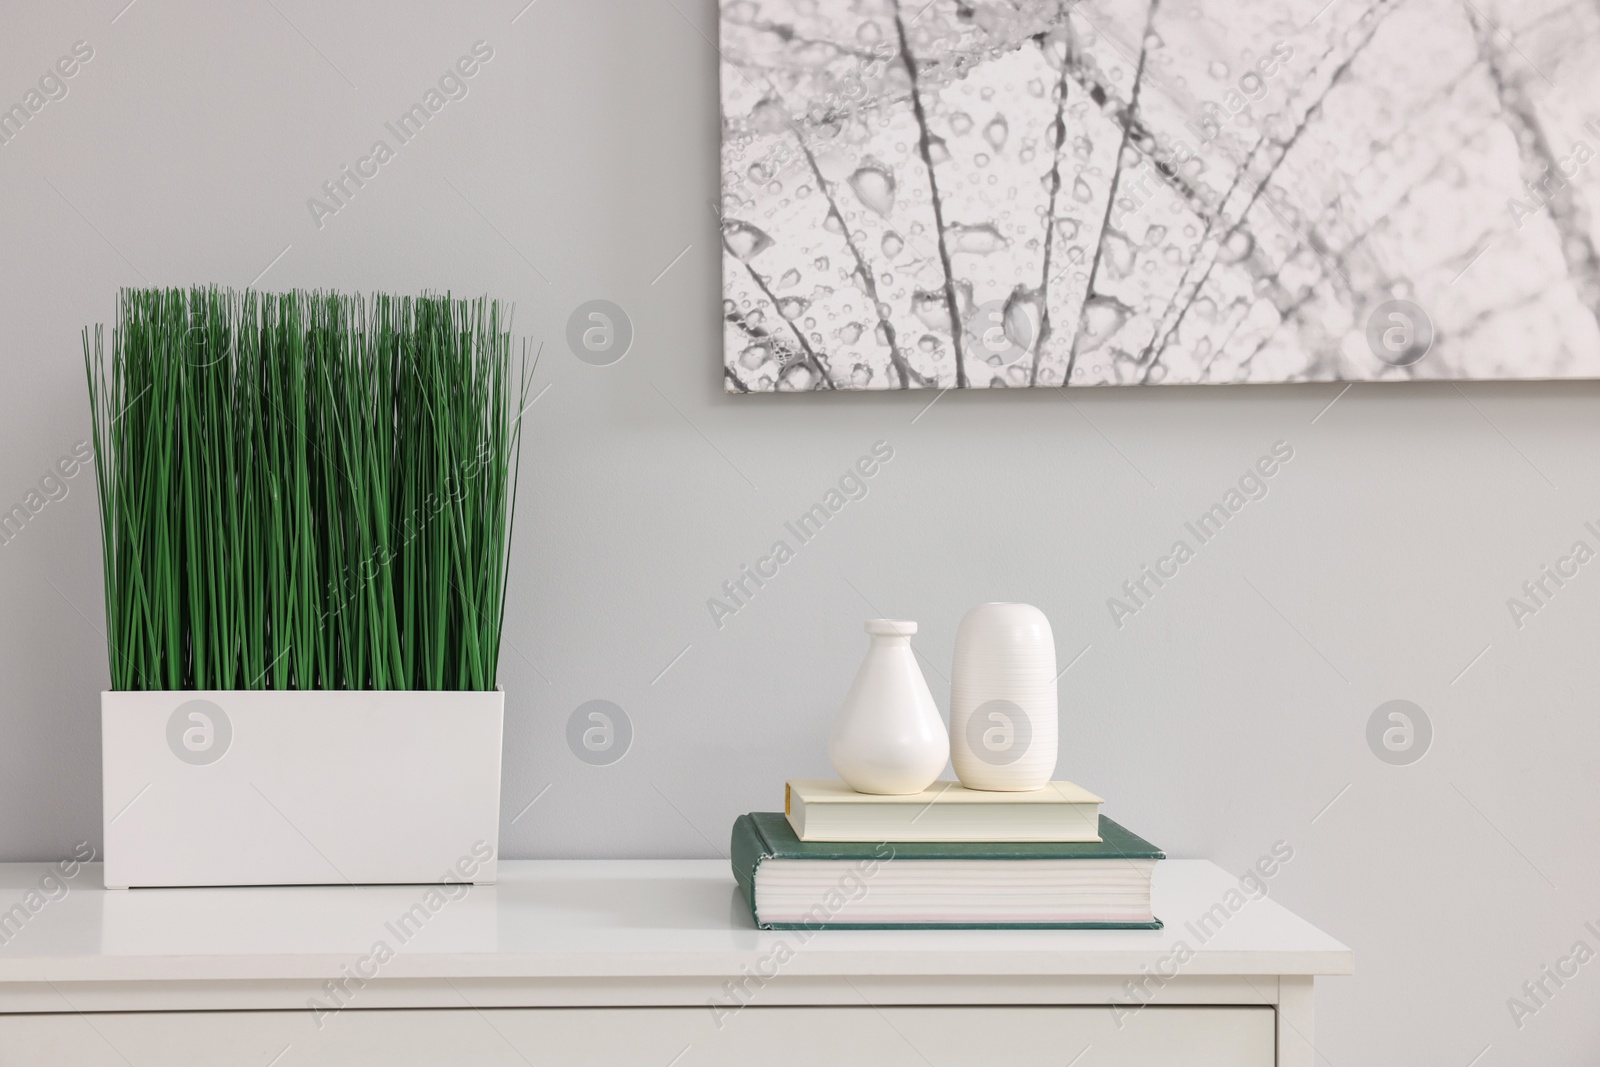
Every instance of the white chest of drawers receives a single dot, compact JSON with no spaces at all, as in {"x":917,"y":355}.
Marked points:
{"x":638,"y":962}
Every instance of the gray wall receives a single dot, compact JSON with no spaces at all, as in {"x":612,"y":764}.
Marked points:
{"x":1223,"y":717}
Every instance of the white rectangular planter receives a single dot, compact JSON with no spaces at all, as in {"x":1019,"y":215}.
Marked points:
{"x":273,"y":787}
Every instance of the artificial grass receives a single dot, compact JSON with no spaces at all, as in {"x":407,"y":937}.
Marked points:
{"x":305,"y":490}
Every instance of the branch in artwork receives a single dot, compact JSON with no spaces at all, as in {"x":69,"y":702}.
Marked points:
{"x":925,"y":148}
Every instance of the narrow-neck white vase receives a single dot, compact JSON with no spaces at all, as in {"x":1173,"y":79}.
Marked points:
{"x":888,"y":737}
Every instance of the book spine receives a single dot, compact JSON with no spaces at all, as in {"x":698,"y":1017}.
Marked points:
{"x":1153,"y":924}
{"x":746,"y":850}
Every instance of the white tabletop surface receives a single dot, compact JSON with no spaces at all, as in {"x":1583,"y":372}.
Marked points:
{"x":595,"y":918}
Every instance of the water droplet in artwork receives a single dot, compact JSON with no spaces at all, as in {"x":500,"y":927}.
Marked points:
{"x":797,"y":378}
{"x":981,"y":239}
{"x":929,"y":306}
{"x":1103,"y":316}
{"x":875,"y":186}
{"x":769,"y":116}
{"x":1237,"y":247}
{"x":995,"y":133}
{"x":1117,"y":253}
{"x":744,"y":240}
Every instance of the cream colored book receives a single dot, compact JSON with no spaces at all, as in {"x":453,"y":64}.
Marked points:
{"x":821,"y":809}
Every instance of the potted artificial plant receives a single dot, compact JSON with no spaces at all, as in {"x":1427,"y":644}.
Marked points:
{"x":306,"y":504}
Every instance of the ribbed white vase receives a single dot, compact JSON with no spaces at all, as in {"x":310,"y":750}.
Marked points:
{"x":888,"y":737}
{"x":1003,"y":712}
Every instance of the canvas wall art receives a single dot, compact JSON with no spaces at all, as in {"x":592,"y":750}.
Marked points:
{"x":1039,"y":193}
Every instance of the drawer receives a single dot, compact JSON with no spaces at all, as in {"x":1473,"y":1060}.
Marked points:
{"x":648,"y":1037}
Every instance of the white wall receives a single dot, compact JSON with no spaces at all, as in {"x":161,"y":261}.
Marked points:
{"x":1223,"y":717}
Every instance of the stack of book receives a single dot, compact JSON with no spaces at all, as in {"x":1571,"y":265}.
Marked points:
{"x":947,"y":857}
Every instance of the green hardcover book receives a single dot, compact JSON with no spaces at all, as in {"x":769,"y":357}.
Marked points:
{"x":824,"y":885}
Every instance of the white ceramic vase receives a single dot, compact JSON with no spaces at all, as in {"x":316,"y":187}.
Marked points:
{"x":1003,"y":699}
{"x":888,"y":737}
